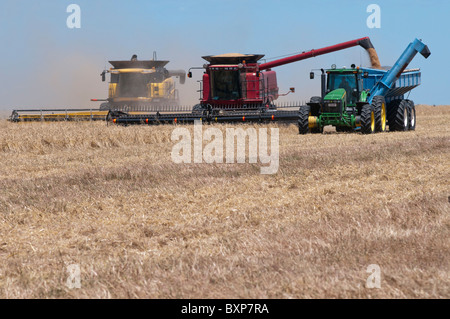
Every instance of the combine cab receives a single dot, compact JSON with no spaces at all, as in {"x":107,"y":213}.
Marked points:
{"x":234,"y":82}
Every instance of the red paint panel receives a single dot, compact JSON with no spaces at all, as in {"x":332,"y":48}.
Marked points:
{"x":252,"y":86}
{"x":206,"y":87}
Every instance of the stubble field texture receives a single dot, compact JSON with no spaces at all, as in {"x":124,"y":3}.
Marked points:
{"x":111,"y":200}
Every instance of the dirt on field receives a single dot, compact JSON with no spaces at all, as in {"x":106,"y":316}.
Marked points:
{"x":110,"y":200}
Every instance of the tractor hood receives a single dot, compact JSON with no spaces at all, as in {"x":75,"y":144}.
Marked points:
{"x":337,"y":94}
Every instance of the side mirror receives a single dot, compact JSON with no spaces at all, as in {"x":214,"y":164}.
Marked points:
{"x":292,"y":90}
{"x":189,"y":75}
{"x":311,"y":75}
{"x":103,"y":76}
{"x":258,"y":74}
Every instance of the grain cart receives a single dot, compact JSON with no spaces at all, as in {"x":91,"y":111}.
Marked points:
{"x":365,"y":99}
{"x":236,"y":88}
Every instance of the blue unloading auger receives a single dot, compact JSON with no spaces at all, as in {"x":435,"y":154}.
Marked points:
{"x":388,"y":80}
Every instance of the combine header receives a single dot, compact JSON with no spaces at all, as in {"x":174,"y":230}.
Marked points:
{"x":135,"y":86}
{"x":235,"y":88}
{"x":58,"y":115}
{"x":365,"y":99}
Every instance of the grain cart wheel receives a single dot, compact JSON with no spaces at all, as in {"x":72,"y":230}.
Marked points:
{"x":398,"y":115}
{"x":411,"y":115}
{"x":379,"y":106}
{"x":367,"y":119}
{"x":303,"y":115}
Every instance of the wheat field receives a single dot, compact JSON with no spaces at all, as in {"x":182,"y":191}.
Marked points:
{"x":110,"y":200}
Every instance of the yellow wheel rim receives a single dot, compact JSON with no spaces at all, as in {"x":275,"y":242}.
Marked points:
{"x":383,"y":117}
{"x":311,"y":121}
{"x":372,"y":121}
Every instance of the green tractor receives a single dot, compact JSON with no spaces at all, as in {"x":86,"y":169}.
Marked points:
{"x":345,"y":104}
{"x":365,"y":99}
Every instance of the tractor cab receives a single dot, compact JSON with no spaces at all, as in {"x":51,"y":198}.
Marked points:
{"x":347,"y":79}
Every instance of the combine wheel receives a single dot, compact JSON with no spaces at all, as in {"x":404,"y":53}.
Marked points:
{"x":411,"y":115}
{"x":398,"y":115}
{"x":379,"y":107}
{"x":367,"y":119}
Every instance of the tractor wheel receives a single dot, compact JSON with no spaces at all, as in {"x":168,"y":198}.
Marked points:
{"x":303,"y":115}
{"x":367,"y":119}
{"x":398,"y":115}
{"x":315,"y":99}
{"x":379,"y":106}
{"x":411,"y":115}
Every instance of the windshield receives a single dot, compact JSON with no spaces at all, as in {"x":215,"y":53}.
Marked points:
{"x":343,"y":81}
{"x":225,"y":85}
{"x":133,"y":85}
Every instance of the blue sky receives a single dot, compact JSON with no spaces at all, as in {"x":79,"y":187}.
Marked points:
{"x":46,"y":64}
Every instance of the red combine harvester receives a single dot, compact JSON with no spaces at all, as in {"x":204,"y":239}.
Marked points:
{"x":235,"y":88}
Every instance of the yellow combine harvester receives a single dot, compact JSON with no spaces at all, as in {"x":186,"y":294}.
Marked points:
{"x":135,"y":86}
